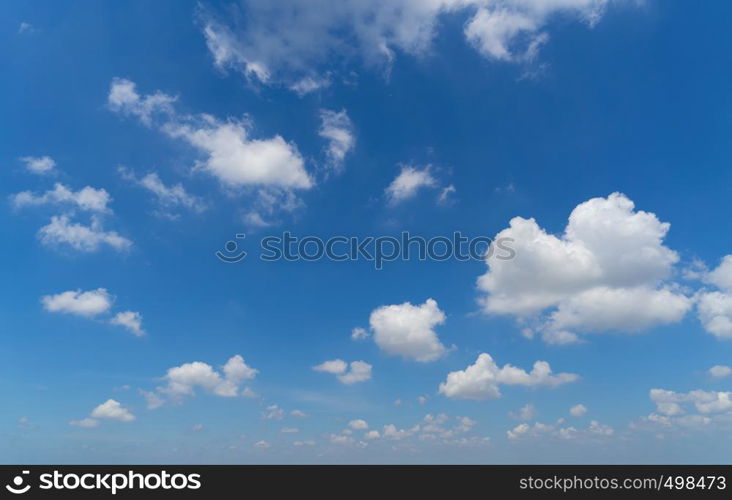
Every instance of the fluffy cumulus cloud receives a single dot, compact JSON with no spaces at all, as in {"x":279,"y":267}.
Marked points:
{"x":595,"y":431}
{"x":90,"y":303}
{"x":39,"y":164}
{"x":578,"y":410}
{"x":131,"y":320}
{"x":87,"y":199}
{"x":687,"y":410}
{"x":482,"y":380}
{"x":408,"y":183}
{"x":608,"y":271}
{"x":409,"y":330}
{"x":714,"y":307}
{"x":292,"y":42}
{"x":62,"y":232}
{"x":337,"y":129}
{"x":182,"y":381}
{"x":112,"y":410}
{"x":440,"y":429}
{"x":228,"y":150}
{"x":356,"y":371}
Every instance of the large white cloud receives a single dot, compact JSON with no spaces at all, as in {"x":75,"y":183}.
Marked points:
{"x":409,"y":331}
{"x":229,"y":152}
{"x":295,"y":41}
{"x":607,"y":271}
{"x":482,"y":380}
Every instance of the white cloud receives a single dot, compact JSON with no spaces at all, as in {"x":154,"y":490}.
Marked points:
{"x":90,"y":303}
{"x":482,"y":379}
{"x":407,"y":183}
{"x":39,"y":164}
{"x":407,"y":330}
{"x":720,"y":371}
{"x":88,"y":198}
{"x":359,"y":333}
{"x":112,"y":410}
{"x":25,"y":28}
{"x":357,"y":371}
{"x":298,"y":413}
{"x":714,"y":308}
{"x":336,"y":127}
{"x":86,"y":423}
{"x":605,"y":273}
{"x":231,"y":155}
{"x":308,"y":442}
{"x":594,"y":431}
{"x":672,"y":403}
{"x":525,"y":413}
{"x":578,"y":410}
{"x":182,"y":381}
{"x":131,"y":320}
{"x":309,"y":84}
{"x":358,"y":424}
{"x":295,"y":41}
{"x":62,"y":231}
{"x":169,"y":197}
{"x":262,"y":445}
{"x":273,"y":412}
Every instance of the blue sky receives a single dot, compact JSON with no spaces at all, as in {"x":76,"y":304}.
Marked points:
{"x":140,"y":137}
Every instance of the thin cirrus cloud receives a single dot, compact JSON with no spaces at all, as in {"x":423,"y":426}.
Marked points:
{"x":575,"y":283}
{"x":169,"y":198}
{"x":355,"y":372}
{"x":297,"y":42}
{"x":92,"y":304}
{"x":482,"y":380}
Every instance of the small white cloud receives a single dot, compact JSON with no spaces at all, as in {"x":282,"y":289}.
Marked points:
{"x":290,"y":430}
{"x":86,"y":423}
{"x":578,"y":410}
{"x":337,"y":129}
{"x":358,"y":424}
{"x":298,"y":414}
{"x":25,"y":28}
{"x":273,"y":412}
{"x":406,"y":185}
{"x":357,"y":371}
{"x":131,"y":320}
{"x":90,"y":303}
{"x":720,"y":371}
{"x":526,"y":413}
{"x":197,"y":428}
{"x":359,"y":334}
{"x":182,"y":381}
{"x":39,"y":164}
{"x":168,"y":197}
{"x":482,"y":379}
{"x":87,"y":199}
{"x":262,"y":445}
{"x":409,"y":331}
{"x":62,"y":231}
{"x":112,"y":410}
